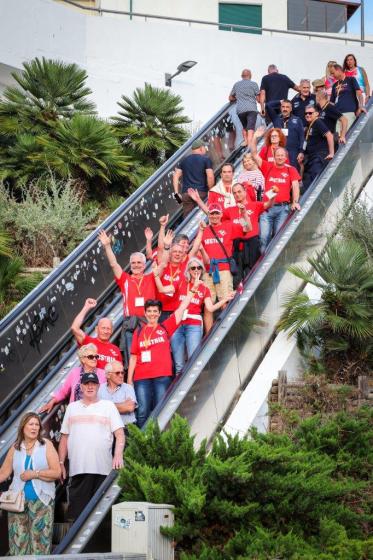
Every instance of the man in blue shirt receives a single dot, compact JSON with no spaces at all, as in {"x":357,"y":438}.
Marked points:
{"x":331,"y":116}
{"x":196,"y":172}
{"x":302,"y":99}
{"x":346,"y":95}
{"x":273,"y":88}
{"x":318,"y":147}
{"x":118,"y":392}
{"x":293,"y":129}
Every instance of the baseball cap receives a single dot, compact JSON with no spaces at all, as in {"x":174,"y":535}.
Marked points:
{"x":89,"y":377}
{"x":197,"y":144}
{"x":215,"y":208}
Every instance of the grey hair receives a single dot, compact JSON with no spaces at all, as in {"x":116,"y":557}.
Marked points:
{"x":305,"y":81}
{"x":137,"y":254}
{"x":272,"y":68}
{"x":312,"y":107}
{"x":198,"y":262}
{"x":109,"y":366}
{"x":87,"y":349}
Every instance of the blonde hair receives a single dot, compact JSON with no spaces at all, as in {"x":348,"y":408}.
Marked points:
{"x":199,"y":263}
{"x":87,"y":349}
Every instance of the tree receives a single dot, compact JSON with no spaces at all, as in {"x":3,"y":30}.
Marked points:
{"x":47,"y":91}
{"x":14,"y":284}
{"x":305,"y":495}
{"x":151,"y":124}
{"x":339,"y":326}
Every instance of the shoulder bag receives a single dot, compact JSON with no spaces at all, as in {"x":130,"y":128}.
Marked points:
{"x":12,"y":501}
{"x":232,"y":263}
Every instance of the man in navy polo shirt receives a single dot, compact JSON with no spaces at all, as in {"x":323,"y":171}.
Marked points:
{"x":331,"y":116}
{"x":302,"y":100}
{"x":292,"y":128}
{"x":196,"y":172}
{"x":318,"y":147}
{"x":273,"y":88}
{"x":347,"y":95}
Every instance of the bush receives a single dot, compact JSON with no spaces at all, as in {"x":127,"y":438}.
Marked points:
{"x":47,"y":220}
{"x":302,"y":496}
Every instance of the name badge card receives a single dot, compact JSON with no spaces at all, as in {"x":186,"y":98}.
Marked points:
{"x":139,"y":302}
{"x":285,"y":131}
{"x":146,"y":356}
{"x":304,"y":144}
{"x":270,"y":194}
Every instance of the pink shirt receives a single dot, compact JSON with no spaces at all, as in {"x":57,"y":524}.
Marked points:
{"x":71,"y":381}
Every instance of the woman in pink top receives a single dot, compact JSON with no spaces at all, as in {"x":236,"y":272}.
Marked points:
{"x":71,"y":387}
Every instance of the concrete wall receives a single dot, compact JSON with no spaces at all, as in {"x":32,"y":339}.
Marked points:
{"x":120,"y":55}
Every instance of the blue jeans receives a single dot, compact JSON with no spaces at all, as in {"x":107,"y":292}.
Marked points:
{"x":186,"y":336}
{"x":149,"y":392}
{"x":270,"y":223}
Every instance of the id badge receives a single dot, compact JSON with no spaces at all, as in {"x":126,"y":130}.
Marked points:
{"x":139,"y":302}
{"x":336,"y":100}
{"x":305,"y":145}
{"x":285,"y":131}
{"x":185,"y":315}
{"x":146,"y":356}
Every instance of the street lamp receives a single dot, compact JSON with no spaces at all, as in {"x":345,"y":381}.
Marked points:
{"x":183,"y":67}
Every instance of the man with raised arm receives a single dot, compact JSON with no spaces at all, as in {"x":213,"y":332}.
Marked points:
{"x":281,"y":177}
{"x":107,"y":352}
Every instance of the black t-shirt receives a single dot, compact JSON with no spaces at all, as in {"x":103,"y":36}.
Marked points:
{"x":330,"y":116}
{"x":344,"y":95}
{"x":276,"y":86}
{"x":194,"y":172}
{"x":299,"y":105}
{"x":315,"y":137}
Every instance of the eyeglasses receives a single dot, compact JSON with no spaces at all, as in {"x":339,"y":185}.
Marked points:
{"x":118,"y":372}
{"x":92,"y":357}
{"x":195,"y":268}
{"x":310,"y":112}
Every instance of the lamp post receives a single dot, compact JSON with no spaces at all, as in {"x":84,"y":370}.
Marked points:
{"x":183,"y":67}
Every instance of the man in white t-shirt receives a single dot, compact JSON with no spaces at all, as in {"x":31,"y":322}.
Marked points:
{"x":86,"y":439}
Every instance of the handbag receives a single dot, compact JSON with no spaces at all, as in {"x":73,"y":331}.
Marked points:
{"x":12,"y":501}
{"x":232,"y":263}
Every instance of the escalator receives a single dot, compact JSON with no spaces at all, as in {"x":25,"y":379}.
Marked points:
{"x":223,"y":365}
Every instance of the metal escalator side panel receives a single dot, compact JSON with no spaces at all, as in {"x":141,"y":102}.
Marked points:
{"x":225,"y":363}
{"x":40,"y":324}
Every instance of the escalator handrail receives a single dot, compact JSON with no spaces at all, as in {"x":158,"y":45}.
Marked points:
{"x":109,"y":221}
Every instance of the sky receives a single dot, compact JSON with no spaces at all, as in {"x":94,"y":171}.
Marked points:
{"x":354,"y":22}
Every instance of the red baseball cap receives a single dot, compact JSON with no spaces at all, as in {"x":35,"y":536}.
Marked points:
{"x":215,"y":208}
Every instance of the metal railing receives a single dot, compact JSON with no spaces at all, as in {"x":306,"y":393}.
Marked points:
{"x":228,"y":26}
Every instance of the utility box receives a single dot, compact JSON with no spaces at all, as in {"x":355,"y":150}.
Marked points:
{"x":135,"y":528}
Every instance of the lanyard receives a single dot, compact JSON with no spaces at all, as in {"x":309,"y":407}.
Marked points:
{"x":339,"y":87}
{"x":173,"y":275}
{"x":147,"y":339}
{"x":309,"y":129}
{"x":138,"y":284}
{"x":286,"y":122}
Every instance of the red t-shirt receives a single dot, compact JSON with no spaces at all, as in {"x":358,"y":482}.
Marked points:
{"x":281,"y":177}
{"x":195,"y":306}
{"x":135,"y":292}
{"x":107,"y":351}
{"x":266,"y":153}
{"x":158,"y":363}
{"x":213,"y":247}
{"x":172,"y":275}
{"x":254,"y":209}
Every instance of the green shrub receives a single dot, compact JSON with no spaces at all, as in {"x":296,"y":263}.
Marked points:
{"x":47,"y":220}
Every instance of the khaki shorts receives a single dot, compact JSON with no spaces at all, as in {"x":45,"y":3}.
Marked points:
{"x":222,"y":289}
{"x":350,"y":118}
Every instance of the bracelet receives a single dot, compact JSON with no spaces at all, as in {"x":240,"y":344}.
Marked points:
{"x":62,"y":462}
{"x":37,"y":474}
{"x":166,"y":248}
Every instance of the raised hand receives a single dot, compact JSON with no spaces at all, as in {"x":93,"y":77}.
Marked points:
{"x":163,"y":220}
{"x":104,"y":237}
{"x":148,"y":234}
{"x":194,"y":194}
{"x":259,"y":132}
{"x":168,"y":238}
{"x":90,"y":303}
{"x":202,"y":226}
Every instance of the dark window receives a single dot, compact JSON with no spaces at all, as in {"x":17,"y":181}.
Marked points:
{"x":240,"y":14}
{"x":316,"y":16}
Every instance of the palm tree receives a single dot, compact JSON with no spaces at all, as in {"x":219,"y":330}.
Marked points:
{"x":85,"y":148}
{"x":151,"y":123}
{"x":47,"y":91}
{"x":339,"y":326}
{"x":14,"y":284}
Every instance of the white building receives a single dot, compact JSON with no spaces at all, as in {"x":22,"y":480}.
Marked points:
{"x":120,"y":53}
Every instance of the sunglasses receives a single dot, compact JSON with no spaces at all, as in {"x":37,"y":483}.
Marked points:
{"x":118,"y":372}
{"x":195,"y":268}
{"x":310,"y":112}
{"x":92,"y":357}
